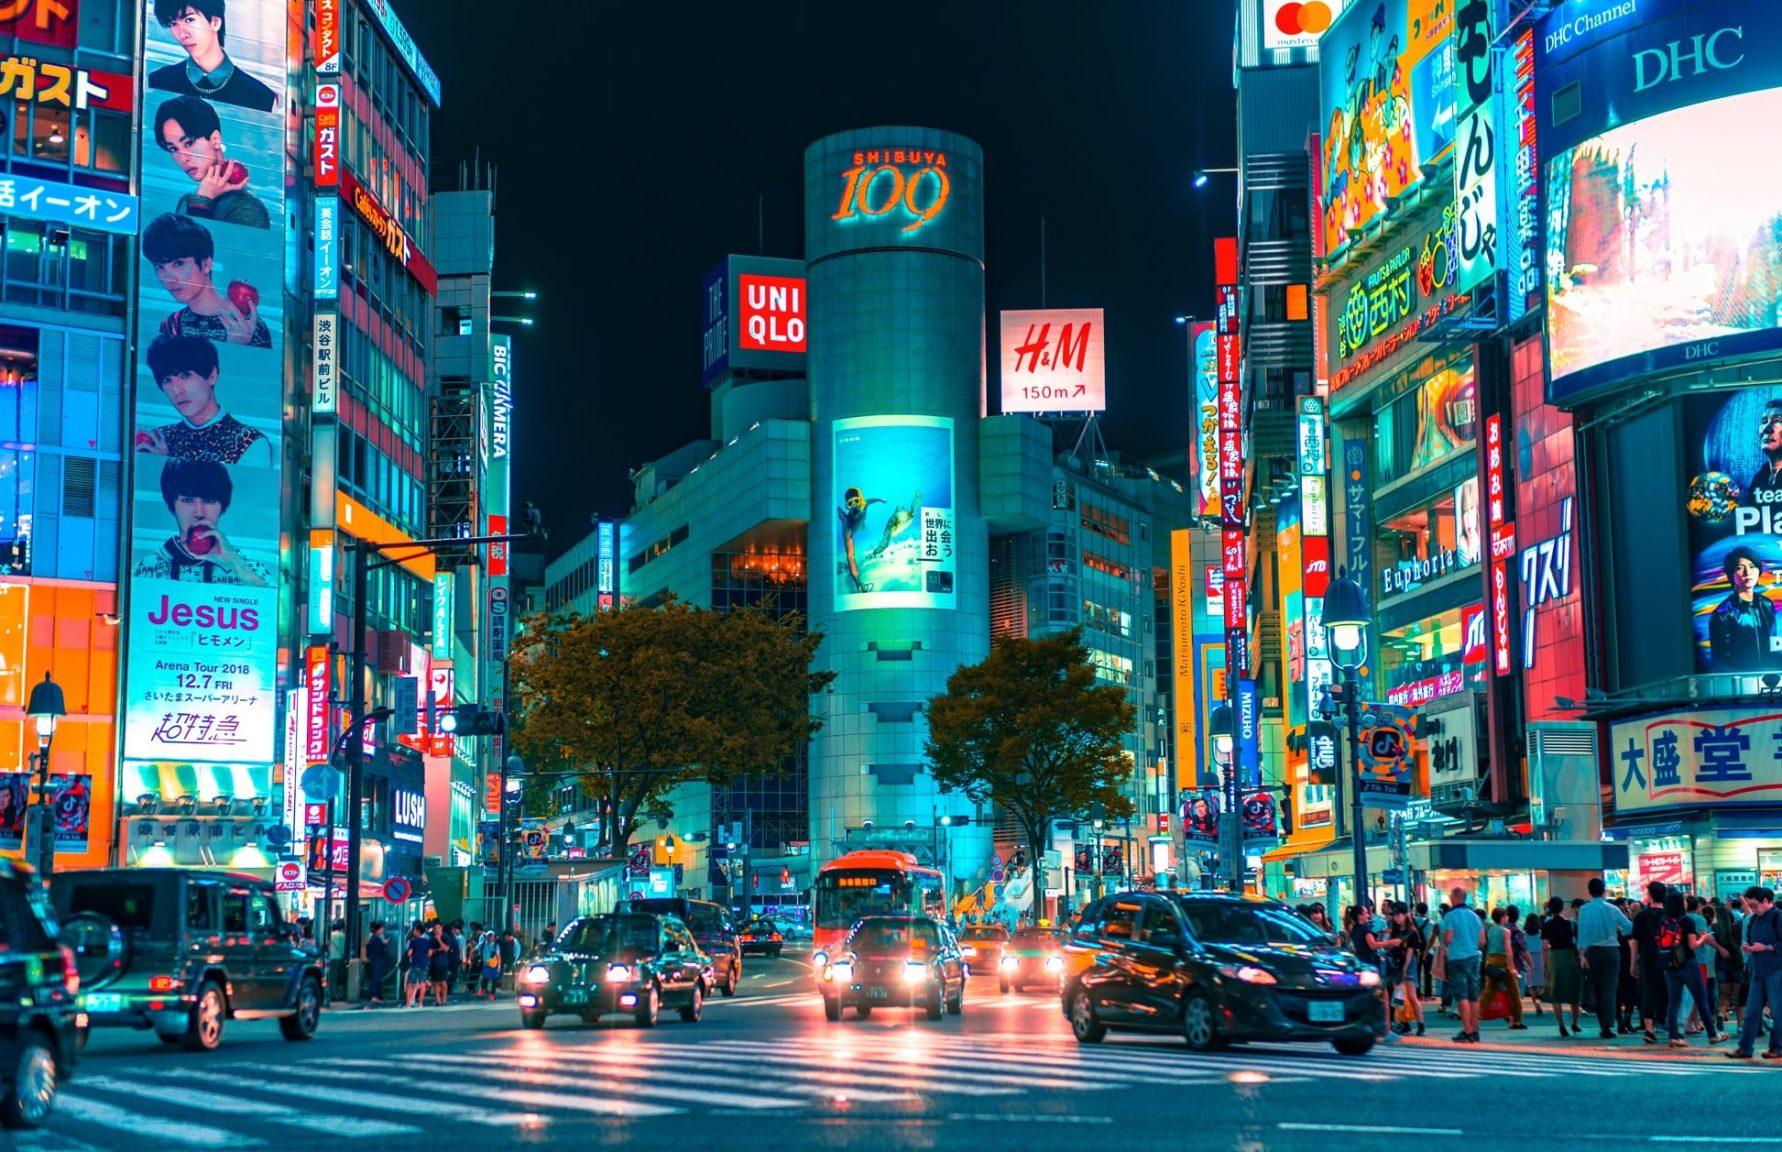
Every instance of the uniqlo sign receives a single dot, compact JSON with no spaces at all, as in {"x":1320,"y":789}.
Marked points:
{"x":770,"y":316}
{"x":327,"y":135}
{"x":316,"y":735}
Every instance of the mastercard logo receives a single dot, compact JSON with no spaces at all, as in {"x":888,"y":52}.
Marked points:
{"x":1311,"y":18}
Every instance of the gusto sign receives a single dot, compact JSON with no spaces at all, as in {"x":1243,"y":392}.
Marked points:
{"x":883,"y":179}
{"x":772,"y":316}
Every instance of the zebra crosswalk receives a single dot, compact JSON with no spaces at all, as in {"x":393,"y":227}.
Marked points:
{"x":507,"y":1083}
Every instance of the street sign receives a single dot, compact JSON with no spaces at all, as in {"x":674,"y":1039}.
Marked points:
{"x":1392,"y":876}
{"x":290,"y":876}
{"x":396,"y":890}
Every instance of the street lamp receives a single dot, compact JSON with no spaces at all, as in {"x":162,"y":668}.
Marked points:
{"x":1346,"y":617}
{"x":45,"y":708}
{"x":1201,"y":175}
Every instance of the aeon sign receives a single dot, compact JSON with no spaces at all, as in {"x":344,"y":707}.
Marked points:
{"x":911,"y":184}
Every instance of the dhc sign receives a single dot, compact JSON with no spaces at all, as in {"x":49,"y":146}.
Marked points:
{"x":1703,"y":52}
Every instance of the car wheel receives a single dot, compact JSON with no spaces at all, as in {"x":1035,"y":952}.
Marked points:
{"x":776,"y":953}
{"x":729,"y":988}
{"x":831,"y":1009}
{"x":863,"y":1011}
{"x":1005,"y":986}
{"x":956,"y":1005}
{"x":1084,"y":1024}
{"x":204,"y":1031}
{"x":1199,"y":1028}
{"x":81,"y":1036}
{"x":1354,"y":1046}
{"x":650,"y":1010}
{"x":171,"y":1037}
{"x":32,"y":1094}
{"x":691,"y":1012}
{"x":301,"y":1024}
{"x":591,"y":1019}
{"x":937,"y":1007}
{"x":532,"y":1020}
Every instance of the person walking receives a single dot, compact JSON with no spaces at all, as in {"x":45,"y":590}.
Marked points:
{"x":337,"y":945}
{"x":1374,"y":951}
{"x":1425,"y":970}
{"x":1402,"y":966}
{"x":489,"y":955}
{"x":510,"y":952}
{"x":439,"y":963}
{"x":1530,"y":962}
{"x":1677,"y":941}
{"x":1729,"y":967}
{"x":454,"y":941}
{"x":1763,"y":962}
{"x":377,"y":961}
{"x":1559,"y":957}
{"x":418,"y":954}
{"x":1646,"y":964}
{"x":1600,"y":926}
{"x":1463,"y":935}
{"x":1499,"y":971}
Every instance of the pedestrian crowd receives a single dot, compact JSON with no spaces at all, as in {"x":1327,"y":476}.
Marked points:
{"x":432,"y":964}
{"x":1672,"y":960}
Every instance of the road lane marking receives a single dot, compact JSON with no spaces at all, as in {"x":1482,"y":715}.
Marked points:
{"x":999,"y":1118}
{"x":597,"y":1105}
{"x":1370,"y":1129}
{"x":622,"y":1065}
{"x":809,"y":1068}
{"x":237,"y":1106}
{"x":544,"y":1077}
{"x":180,"y":1133}
{"x":357,"y":1098}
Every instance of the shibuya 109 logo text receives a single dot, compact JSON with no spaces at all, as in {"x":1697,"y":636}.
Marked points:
{"x":910,"y":179}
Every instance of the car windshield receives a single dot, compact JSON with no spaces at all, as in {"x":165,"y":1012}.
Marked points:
{"x":984,"y":934}
{"x":705,"y":920}
{"x":1036,"y":937}
{"x":613,"y":936}
{"x":1249,"y":924}
{"x":762,"y":926}
{"x":895,"y":937}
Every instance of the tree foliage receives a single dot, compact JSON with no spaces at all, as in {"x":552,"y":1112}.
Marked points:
{"x":638,"y":700}
{"x":1030,"y":729}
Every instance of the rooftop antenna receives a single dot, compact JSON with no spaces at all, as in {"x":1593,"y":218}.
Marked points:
{"x":1042,"y":261}
{"x":760,"y":224}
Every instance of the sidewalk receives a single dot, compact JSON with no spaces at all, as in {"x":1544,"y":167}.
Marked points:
{"x":1542,"y":1037}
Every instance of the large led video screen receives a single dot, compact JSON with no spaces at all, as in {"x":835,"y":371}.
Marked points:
{"x":893,"y":501}
{"x":1733,"y":446}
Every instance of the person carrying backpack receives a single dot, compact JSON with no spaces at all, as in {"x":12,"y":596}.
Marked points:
{"x":1677,"y":942}
{"x":489,"y":953}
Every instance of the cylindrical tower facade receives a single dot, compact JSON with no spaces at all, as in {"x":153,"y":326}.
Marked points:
{"x":894,"y":238}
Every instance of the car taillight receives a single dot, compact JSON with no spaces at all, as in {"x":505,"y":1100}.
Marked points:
{"x":160,"y":984}
{"x":774,"y":937}
{"x":70,"y":973}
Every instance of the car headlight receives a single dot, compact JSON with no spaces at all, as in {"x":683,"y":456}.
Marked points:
{"x":819,"y":958}
{"x":538,"y":974}
{"x":618,"y":973}
{"x":1054,"y":963}
{"x":969,"y":950}
{"x":1369,"y":978}
{"x":842,"y":970}
{"x":1248,"y":973}
{"x":914,"y":972}
{"x":1009,"y":963}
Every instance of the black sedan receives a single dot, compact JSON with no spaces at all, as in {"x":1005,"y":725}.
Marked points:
{"x":1215,"y":969}
{"x":630,"y":964}
{"x":895,"y":962}
{"x":761,"y":937}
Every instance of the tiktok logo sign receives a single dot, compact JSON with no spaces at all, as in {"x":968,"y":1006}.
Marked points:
{"x":1546,"y":577}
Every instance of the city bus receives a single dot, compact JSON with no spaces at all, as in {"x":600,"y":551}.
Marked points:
{"x":872,"y":882}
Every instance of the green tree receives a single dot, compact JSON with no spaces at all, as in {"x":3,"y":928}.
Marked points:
{"x":1031,"y":730}
{"x":638,"y":700}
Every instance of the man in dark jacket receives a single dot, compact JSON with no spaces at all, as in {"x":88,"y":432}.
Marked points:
{"x":377,"y":964}
{"x":1763,"y":957}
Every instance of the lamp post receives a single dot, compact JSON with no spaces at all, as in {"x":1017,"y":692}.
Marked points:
{"x":45,"y":708}
{"x":1231,"y":842}
{"x":1346,"y":617}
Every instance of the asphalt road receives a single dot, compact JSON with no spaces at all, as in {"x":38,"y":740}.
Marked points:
{"x":765,"y":1071}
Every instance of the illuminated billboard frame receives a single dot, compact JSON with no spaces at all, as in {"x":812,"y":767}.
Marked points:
{"x":893,"y":503}
{"x":1622,"y":107}
{"x":201,"y":642}
{"x":1054,"y":361}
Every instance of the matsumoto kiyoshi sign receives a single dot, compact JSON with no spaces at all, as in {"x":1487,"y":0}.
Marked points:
{"x":1690,"y":759}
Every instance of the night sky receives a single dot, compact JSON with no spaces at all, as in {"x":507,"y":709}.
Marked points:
{"x":631,"y":149}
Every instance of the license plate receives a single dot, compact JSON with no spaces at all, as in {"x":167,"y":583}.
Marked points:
{"x":1325,"y":1012}
{"x":878,"y":993}
{"x":575,"y":996}
{"x":103,"y":1002}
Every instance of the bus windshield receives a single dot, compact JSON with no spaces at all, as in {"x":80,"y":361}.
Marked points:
{"x":845,"y":898}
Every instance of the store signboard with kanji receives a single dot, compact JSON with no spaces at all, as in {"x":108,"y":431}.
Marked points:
{"x":1693,"y":759}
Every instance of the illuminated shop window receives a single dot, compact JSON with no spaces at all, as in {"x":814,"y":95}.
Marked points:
{"x":1429,"y":544}
{"x":1428,"y":660}
{"x":1436,"y":416}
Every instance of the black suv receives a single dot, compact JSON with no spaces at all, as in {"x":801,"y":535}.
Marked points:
{"x":620,"y":964}
{"x":39,"y":1001}
{"x":711,"y":927}
{"x":1213,"y":969}
{"x":182,"y":951}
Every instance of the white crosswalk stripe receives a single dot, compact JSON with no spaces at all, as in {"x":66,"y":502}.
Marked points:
{"x":523,"y":1085}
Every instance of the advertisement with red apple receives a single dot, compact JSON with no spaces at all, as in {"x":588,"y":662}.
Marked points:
{"x":201,"y":661}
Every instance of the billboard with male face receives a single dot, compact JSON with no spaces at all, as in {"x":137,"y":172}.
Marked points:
{"x":893,"y":509}
{"x":1733,"y":445}
{"x":201,"y":662}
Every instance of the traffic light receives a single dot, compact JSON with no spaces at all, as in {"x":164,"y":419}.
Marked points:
{"x":473,"y":720}
{"x":955,"y":821}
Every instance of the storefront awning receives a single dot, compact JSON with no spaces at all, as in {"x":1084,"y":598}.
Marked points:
{"x":1456,"y":855}
{"x":1295,"y":848}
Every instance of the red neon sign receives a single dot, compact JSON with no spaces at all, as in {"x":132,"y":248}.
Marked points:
{"x":386,"y":227}
{"x":316,"y":733}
